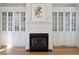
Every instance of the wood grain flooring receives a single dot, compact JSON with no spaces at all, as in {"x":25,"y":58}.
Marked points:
{"x":55,"y":51}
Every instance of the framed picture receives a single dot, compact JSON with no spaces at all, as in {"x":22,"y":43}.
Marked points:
{"x":38,"y":12}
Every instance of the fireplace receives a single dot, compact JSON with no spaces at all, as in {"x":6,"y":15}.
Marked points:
{"x":38,"y":41}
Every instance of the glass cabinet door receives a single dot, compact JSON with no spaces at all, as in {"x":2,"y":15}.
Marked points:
{"x":4,"y":21}
{"x":22,"y":21}
{"x":67,"y":21}
{"x":60,"y":21}
{"x":13,"y":21}
{"x":54,"y":21}
{"x":73,"y":24}
{"x":16,"y":21}
{"x":10,"y":21}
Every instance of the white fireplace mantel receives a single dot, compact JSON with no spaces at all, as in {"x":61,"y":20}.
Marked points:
{"x":39,"y":25}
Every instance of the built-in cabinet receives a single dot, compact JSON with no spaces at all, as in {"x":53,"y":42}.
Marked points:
{"x":64,"y":26}
{"x":12,"y":26}
{"x":14,"y":30}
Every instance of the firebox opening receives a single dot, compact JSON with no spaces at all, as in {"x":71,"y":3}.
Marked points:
{"x":38,"y":42}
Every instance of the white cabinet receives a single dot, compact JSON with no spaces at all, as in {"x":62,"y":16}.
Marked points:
{"x":19,"y":39}
{"x":64,"y":26}
{"x":12,"y":26}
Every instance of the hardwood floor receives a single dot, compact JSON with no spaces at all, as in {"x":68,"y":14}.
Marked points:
{"x":56,"y":51}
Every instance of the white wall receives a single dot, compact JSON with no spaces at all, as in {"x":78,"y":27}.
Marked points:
{"x":0,"y":28}
{"x":78,"y":25}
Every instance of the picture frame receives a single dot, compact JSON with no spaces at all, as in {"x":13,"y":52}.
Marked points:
{"x":38,"y":12}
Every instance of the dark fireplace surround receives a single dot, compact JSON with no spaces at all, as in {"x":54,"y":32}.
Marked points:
{"x":38,"y":42}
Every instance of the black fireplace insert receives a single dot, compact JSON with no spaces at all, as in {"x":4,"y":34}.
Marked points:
{"x":38,"y":42}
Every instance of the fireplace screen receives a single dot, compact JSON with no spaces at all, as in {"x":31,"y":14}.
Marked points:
{"x":38,"y":42}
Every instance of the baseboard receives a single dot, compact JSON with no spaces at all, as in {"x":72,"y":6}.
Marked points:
{"x":63,"y":46}
{"x":77,"y":46}
{"x":50,"y":50}
{"x":2,"y":46}
{"x":27,"y":50}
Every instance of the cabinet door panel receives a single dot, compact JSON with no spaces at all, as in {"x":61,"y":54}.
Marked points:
{"x":19,"y":39}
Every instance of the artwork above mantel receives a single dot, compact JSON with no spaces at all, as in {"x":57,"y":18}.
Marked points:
{"x":38,"y":12}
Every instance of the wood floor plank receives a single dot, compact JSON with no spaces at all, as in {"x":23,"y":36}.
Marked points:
{"x":56,"y":51}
